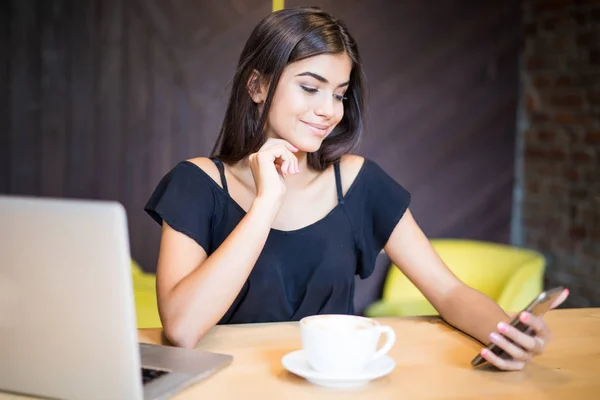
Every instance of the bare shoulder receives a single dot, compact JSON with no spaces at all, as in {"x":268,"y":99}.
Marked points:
{"x":350,"y":166}
{"x":208,"y":166}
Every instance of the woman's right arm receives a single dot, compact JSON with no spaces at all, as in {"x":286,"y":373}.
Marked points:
{"x":194,"y":291}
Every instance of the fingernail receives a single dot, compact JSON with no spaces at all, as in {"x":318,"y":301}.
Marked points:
{"x":524,"y":317}
{"x":502,"y":327}
{"x":485,"y":352}
{"x":494,"y":336}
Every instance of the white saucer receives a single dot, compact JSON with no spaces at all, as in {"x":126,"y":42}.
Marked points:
{"x":296,"y":363}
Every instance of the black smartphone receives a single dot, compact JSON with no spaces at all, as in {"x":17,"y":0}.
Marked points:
{"x":537,"y":307}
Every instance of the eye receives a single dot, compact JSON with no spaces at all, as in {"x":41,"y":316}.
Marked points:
{"x":309,"y":89}
{"x":339,"y":97}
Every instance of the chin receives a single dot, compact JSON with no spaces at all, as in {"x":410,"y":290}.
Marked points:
{"x":308,"y":146}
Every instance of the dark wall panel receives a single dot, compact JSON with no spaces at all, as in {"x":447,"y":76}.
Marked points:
{"x":99,"y":99}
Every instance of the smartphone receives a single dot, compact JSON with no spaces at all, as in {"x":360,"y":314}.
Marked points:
{"x":537,"y":307}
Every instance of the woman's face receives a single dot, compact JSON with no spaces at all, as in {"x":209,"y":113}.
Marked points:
{"x":308,"y":101}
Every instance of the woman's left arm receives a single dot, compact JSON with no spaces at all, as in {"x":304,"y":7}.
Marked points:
{"x":460,"y":305}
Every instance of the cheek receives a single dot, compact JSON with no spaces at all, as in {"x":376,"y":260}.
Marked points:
{"x":339,"y":113}
{"x":286,"y":101}
{"x":287,"y":109}
{"x":296,"y":103}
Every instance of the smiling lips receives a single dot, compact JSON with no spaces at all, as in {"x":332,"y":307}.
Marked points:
{"x":318,"y":129}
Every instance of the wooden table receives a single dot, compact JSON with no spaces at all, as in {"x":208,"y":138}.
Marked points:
{"x":433,"y":362}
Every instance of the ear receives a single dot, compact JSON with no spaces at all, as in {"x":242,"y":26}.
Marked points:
{"x":257,"y":88}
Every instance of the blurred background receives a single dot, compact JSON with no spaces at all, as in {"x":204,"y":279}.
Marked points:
{"x":487,"y":112}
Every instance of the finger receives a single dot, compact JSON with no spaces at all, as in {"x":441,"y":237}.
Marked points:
{"x":270,"y":144}
{"x":524,"y":340}
{"x":278,"y":152}
{"x":290,"y":146}
{"x":501,"y":363}
{"x":273,"y":157}
{"x":278,"y":148}
{"x":513,"y":350}
{"x":292,"y":161}
{"x":289,"y":161}
{"x":563,"y":296}
{"x":274,"y":152}
{"x":540,"y":345}
{"x":284,"y":167}
{"x":536,"y":323}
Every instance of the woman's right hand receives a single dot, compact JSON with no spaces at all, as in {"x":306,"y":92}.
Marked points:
{"x":274,"y":160}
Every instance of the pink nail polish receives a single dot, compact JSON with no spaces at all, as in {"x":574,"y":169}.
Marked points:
{"x":502,"y":327}
{"x":524,"y":317}
{"x":485,"y":352}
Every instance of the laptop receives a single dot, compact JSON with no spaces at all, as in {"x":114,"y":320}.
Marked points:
{"x":67,"y":310}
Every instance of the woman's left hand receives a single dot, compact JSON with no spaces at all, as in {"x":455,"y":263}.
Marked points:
{"x":521,"y":346}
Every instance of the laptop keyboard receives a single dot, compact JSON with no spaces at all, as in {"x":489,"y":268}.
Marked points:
{"x":149,"y":374}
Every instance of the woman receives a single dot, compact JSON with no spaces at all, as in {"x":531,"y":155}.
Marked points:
{"x":276,"y":224}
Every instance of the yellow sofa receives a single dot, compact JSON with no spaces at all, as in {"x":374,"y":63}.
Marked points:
{"x":144,"y":289}
{"x":512,"y":276}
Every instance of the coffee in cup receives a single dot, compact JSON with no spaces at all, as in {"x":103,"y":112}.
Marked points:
{"x":343,"y":344}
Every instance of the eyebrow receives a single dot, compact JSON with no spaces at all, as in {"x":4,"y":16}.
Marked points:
{"x":320,"y":78}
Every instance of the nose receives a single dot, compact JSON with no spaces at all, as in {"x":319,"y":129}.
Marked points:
{"x":325,"y":108}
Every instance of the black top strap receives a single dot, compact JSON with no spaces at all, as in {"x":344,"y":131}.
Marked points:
{"x":221,"y":168}
{"x":338,"y":182}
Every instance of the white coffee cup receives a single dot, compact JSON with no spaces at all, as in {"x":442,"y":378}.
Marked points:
{"x":343,"y":344}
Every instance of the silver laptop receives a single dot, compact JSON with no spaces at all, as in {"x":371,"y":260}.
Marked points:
{"x":67,"y":311}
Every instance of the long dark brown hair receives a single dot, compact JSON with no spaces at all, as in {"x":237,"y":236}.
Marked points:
{"x":281,"y":38}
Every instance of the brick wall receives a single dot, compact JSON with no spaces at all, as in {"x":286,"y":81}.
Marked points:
{"x":559,"y":170}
